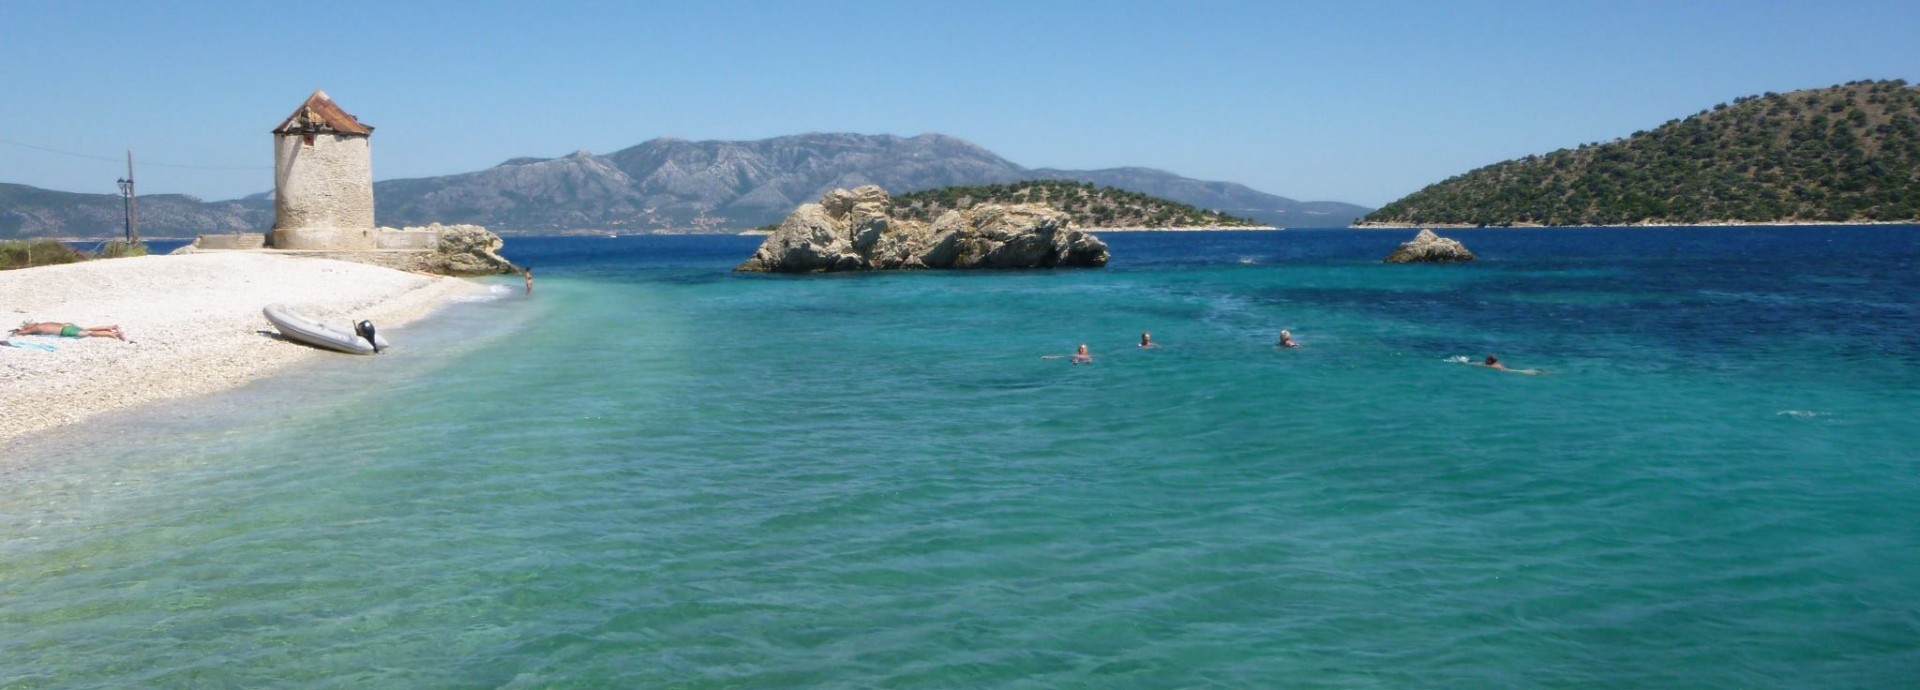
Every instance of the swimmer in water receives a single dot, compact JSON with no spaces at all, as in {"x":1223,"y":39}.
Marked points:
{"x":1493,"y":362}
{"x":1146,"y":341}
{"x":1286,"y":340}
{"x":1081,"y":357}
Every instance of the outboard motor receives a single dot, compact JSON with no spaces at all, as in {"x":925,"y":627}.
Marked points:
{"x":364,"y":329}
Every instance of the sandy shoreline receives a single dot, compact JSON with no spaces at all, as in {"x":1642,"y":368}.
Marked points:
{"x":193,"y":322}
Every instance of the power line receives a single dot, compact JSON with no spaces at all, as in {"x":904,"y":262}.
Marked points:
{"x":143,"y":163}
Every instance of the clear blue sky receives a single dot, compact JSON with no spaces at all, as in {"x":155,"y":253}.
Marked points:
{"x":1361,"y":103}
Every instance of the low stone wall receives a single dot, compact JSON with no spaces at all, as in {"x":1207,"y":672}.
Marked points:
{"x":454,"y":250}
{"x":397,"y":259}
{"x":414,"y":239}
{"x":243,"y":240}
{"x":323,"y":238}
{"x":411,"y":239}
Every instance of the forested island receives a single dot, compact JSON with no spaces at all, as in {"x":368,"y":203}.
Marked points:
{"x":1849,"y":153}
{"x":1089,"y":206}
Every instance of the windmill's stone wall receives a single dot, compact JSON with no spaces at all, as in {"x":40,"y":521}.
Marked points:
{"x":323,"y":192}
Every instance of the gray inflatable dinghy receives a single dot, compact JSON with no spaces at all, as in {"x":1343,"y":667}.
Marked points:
{"x":362,"y":340}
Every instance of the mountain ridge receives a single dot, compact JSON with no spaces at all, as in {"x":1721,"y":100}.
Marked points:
{"x":669,"y":184}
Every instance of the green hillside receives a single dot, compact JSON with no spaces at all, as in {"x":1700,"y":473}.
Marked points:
{"x":1090,"y":206}
{"x":1848,"y":153}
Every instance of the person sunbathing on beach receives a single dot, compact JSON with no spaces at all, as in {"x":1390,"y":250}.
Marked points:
{"x":1146,"y":341}
{"x":68,"y":330}
{"x":1286,"y":340}
{"x":1081,"y":357}
{"x":1493,"y":362}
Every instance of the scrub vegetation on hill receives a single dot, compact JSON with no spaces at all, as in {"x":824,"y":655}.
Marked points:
{"x":1849,"y":153}
{"x":1090,"y":206}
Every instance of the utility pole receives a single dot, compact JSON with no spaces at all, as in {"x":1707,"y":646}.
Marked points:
{"x":133,"y":206}
{"x":126,"y":193}
{"x":126,"y":207}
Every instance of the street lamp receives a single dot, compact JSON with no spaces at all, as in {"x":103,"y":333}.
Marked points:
{"x":126,"y":196}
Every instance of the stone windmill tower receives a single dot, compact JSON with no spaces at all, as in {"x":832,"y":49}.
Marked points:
{"x":322,"y":179}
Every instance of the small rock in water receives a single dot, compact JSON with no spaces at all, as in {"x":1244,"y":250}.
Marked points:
{"x":1427,"y":247}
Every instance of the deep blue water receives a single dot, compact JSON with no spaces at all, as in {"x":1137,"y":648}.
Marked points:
{"x":656,"y":473}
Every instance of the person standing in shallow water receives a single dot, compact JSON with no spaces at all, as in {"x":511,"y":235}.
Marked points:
{"x":1146,"y":341}
{"x":528,"y":272}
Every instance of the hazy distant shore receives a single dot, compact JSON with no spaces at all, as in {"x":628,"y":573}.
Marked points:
{"x":193,"y":324}
{"x":1197,"y":228}
{"x":1534,"y":226}
{"x":81,"y":240}
{"x":1204,"y":228}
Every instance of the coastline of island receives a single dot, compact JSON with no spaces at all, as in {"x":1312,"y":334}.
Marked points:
{"x":1627,"y":226}
{"x":760,"y":232}
{"x":192,"y":322}
{"x":1196,"y":228}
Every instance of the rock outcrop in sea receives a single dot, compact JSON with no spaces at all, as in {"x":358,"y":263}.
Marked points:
{"x":1427,"y":247}
{"x":855,"y":231}
{"x":467,"y":250}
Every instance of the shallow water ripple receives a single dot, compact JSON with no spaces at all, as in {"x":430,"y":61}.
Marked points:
{"x":667,"y":476}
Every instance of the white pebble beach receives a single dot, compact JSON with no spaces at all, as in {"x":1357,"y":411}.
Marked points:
{"x":192,"y":322}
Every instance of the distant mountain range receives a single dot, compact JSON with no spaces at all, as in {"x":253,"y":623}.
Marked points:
{"x":34,"y":212}
{"x":674,"y":185}
{"x":663,"y":185}
{"x":1849,"y":153}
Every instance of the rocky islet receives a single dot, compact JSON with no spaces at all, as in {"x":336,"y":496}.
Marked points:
{"x":1429,"y":248}
{"x":856,"y":231}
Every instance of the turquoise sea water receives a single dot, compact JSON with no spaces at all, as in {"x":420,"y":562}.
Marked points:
{"x":655,"y":473}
